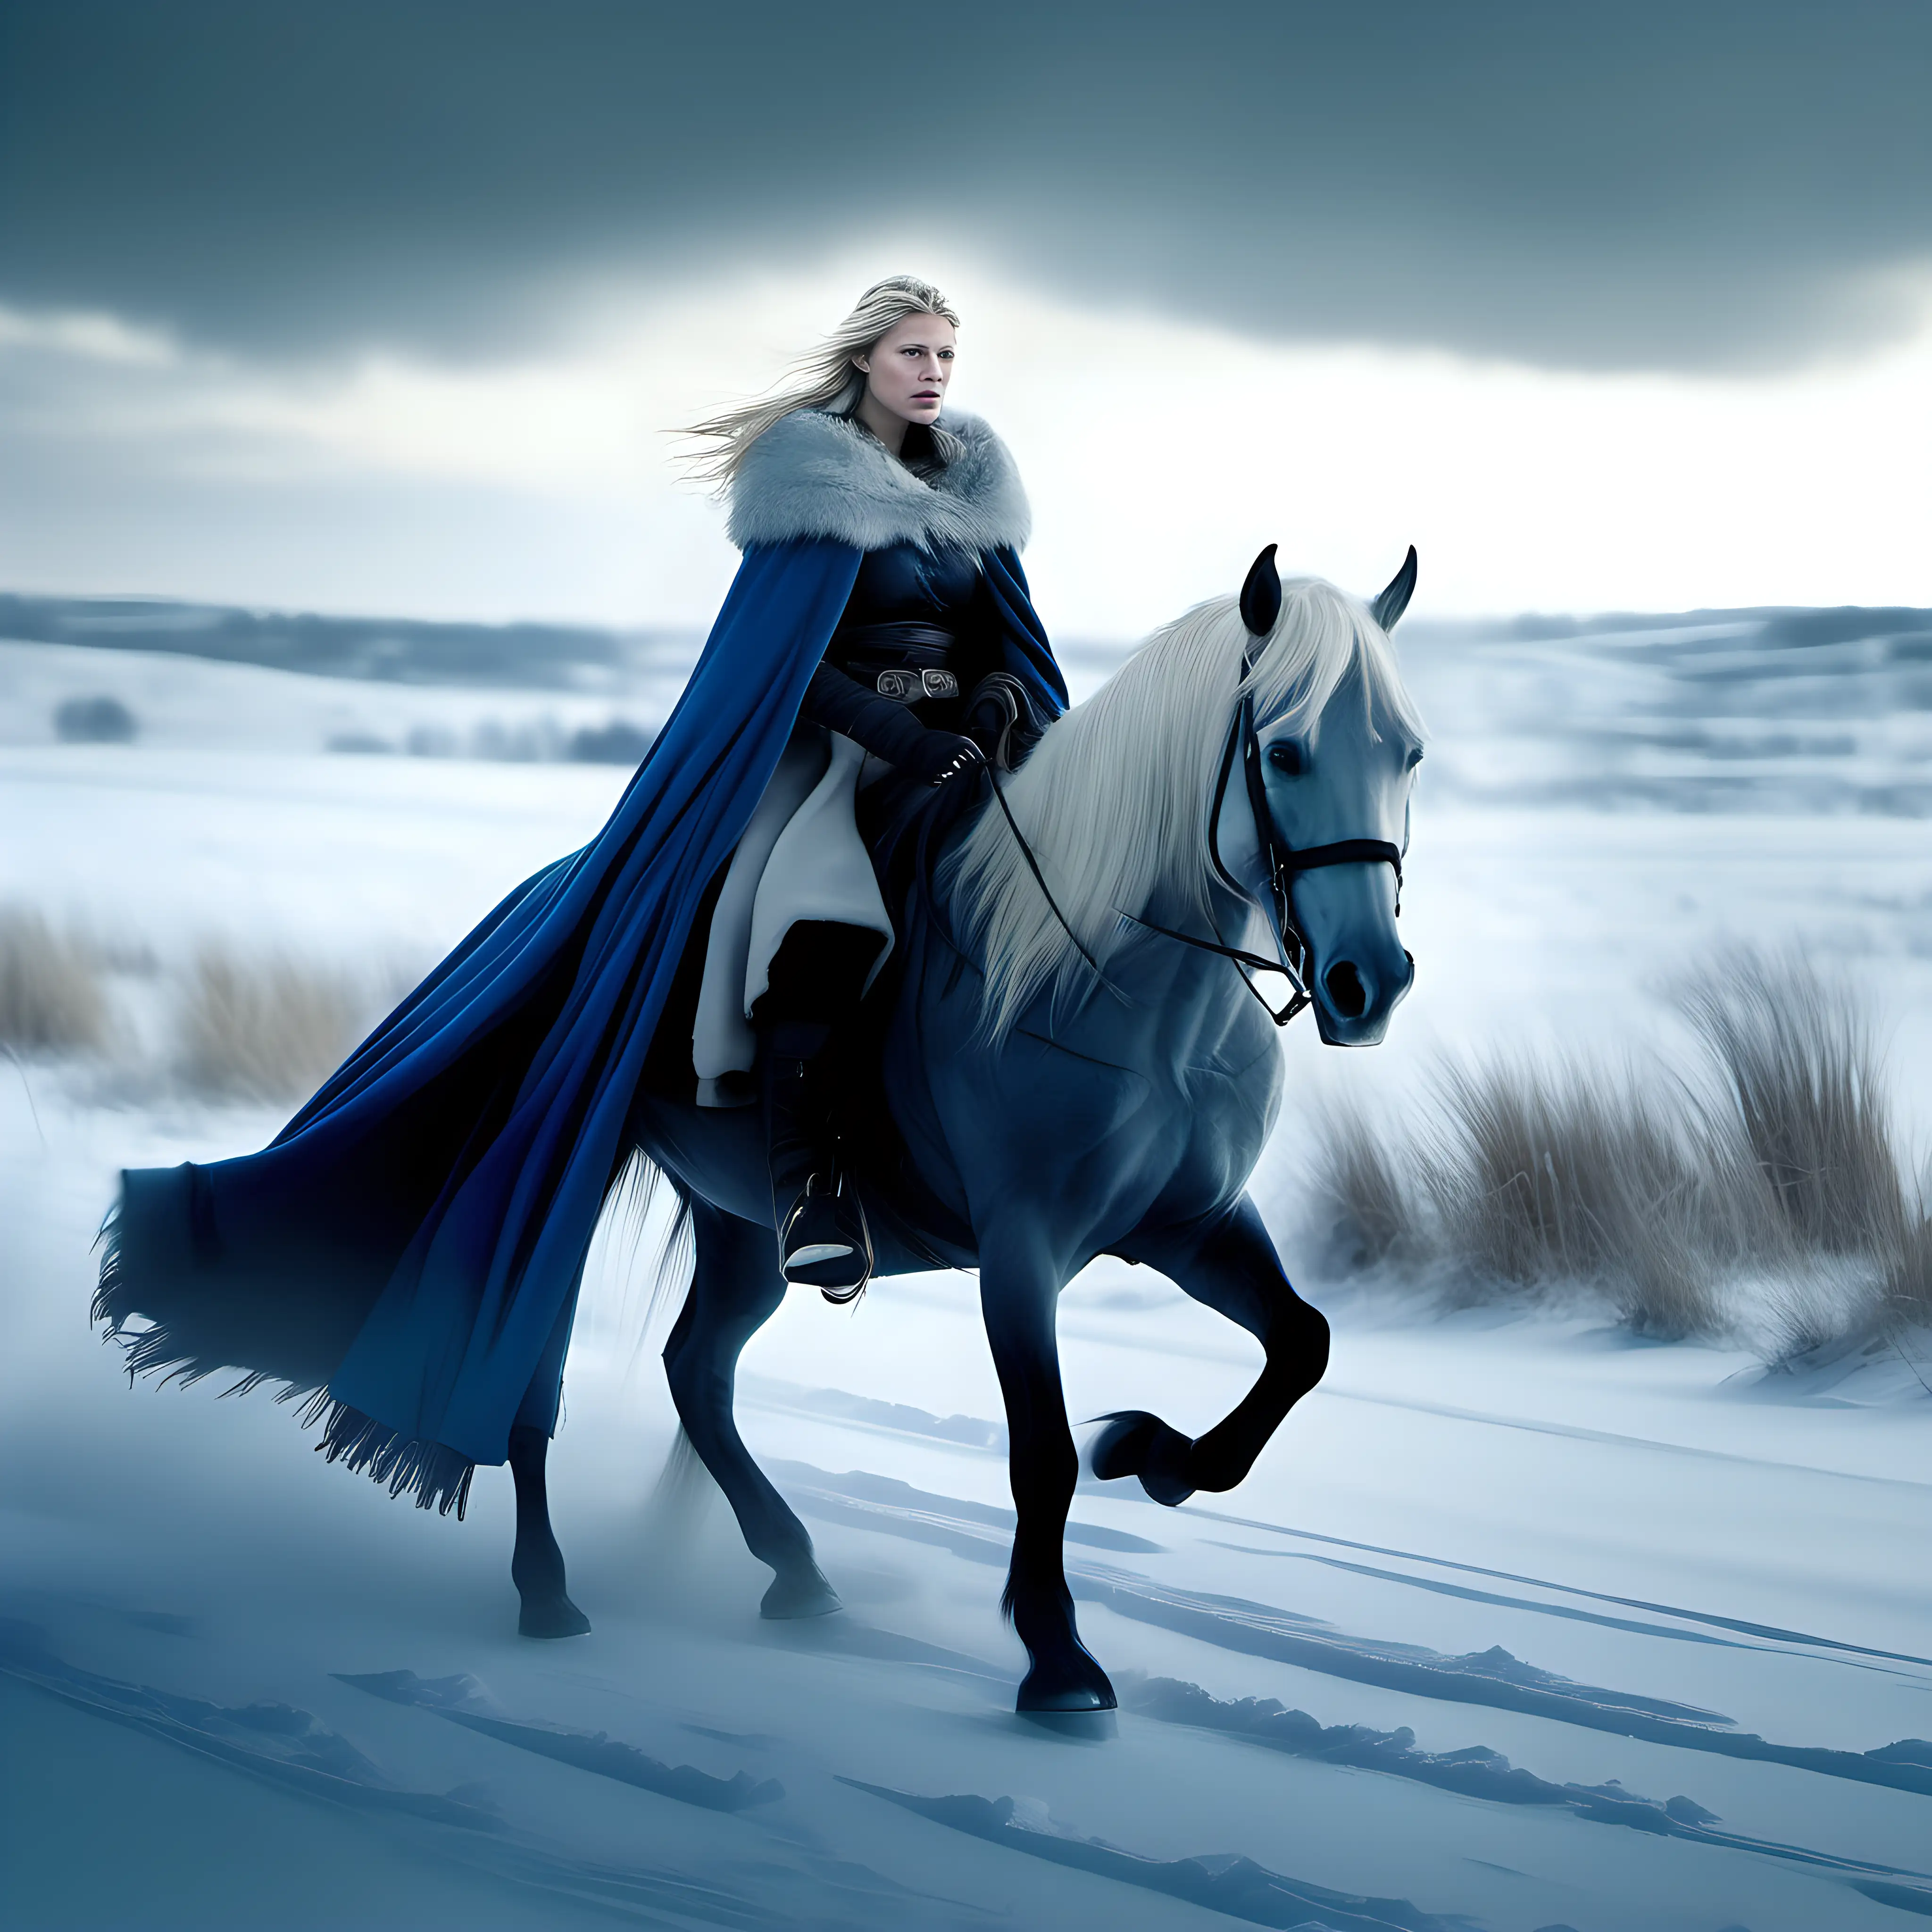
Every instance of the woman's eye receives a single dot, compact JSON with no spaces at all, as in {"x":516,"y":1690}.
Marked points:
{"x":1286,"y":757}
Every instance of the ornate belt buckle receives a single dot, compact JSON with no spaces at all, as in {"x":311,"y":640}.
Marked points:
{"x":904,"y":686}
{"x":939,"y":684}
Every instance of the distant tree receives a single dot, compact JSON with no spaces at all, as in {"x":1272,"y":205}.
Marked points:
{"x":95,"y":721}
{"x":618,"y":742}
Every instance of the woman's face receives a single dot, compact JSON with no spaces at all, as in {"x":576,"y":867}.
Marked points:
{"x":909,"y":367}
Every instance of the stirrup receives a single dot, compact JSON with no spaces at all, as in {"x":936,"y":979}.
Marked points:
{"x":852,"y":1215}
{"x":826,"y":1243}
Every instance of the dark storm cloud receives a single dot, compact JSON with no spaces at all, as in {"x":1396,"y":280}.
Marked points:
{"x":1613,"y":186}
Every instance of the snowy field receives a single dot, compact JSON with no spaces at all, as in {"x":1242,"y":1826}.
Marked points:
{"x":1548,"y":1627}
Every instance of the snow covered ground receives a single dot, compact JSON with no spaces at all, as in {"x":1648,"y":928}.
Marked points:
{"x":1685,"y":1601}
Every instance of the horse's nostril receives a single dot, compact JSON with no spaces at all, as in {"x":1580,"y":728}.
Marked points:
{"x":1346,"y":993}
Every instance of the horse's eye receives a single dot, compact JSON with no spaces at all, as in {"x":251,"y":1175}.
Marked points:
{"x":1413,"y":759}
{"x":1286,"y":757}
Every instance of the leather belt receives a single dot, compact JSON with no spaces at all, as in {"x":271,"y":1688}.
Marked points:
{"x":913,"y":687}
{"x":921,"y":650}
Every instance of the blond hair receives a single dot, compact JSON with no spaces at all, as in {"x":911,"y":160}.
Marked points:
{"x":825,"y":378}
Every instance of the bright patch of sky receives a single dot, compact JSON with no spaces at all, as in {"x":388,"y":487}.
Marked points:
{"x":1160,"y":457}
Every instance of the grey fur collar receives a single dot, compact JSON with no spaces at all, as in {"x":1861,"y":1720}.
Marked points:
{"x":812,"y":475}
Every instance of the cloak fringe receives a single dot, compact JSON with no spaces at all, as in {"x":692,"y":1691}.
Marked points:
{"x":436,"y":1475}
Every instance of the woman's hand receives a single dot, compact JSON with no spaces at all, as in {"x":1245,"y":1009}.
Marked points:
{"x":937,"y":756}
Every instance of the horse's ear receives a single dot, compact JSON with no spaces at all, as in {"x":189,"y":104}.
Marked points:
{"x":1394,"y":600}
{"x":1261,"y":596}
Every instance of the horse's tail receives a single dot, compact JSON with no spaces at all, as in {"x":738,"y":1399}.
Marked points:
{"x":678,"y":1497}
{"x":674,"y":1270}
{"x":630,"y":1202}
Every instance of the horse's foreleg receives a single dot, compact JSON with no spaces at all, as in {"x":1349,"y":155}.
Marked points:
{"x":1230,"y":1265}
{"x":736,"y":1290}
{"x":536,"y":1566}
{"x":1019,"y":1290}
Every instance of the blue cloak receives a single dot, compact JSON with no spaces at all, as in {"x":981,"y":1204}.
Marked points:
{"x":407,"y":1252}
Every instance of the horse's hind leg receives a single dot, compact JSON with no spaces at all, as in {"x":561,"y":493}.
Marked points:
{"x":1230,"y":1264}
{"x":536,"y":1568}
{"x":735,"y":1291}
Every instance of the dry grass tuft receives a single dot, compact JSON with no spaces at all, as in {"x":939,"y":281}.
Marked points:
{"x":1908,"y":1282}
{"x":1543,"y":1176}
{"x":1811,"y":1304}
{"x":51,"y":998}
{"x":1797,"y":1060}
{"x":1766,"y":1195}
{"x":263,"y":1029}
{"x":1374,"y":1218}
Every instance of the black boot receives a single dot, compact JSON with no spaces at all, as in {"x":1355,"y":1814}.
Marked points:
{"x":823,"y":1242}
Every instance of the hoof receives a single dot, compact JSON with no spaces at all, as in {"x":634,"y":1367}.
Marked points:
{"x":1136,"y":1443}
{"x":551,"y":1616}
{"x":1066,"y":1691}
{"x":805,"y":1595}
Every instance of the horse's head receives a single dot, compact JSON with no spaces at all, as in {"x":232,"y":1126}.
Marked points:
{"x":1231,"y":748}
{"x":1325,"y":747}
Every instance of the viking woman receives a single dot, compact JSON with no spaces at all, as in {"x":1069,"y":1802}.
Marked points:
{"x":408,"y":1249}
{"x":858,"y":449}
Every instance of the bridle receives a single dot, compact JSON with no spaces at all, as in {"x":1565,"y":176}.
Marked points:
{"x":1260,"y":606}
{"x":1282,"y":862}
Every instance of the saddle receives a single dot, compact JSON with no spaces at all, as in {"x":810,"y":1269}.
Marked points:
{"x":904,"y":827}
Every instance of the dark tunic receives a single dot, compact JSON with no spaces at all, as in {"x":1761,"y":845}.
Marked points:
{"x":911,"y":610}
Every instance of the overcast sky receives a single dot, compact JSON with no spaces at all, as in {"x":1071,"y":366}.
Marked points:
{"x":382,"y":306}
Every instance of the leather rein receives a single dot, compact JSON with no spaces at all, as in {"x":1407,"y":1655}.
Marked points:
{"x":1283,"y":861}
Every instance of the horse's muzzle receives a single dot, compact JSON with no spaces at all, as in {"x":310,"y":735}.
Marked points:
{"x":1354,"y":998}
